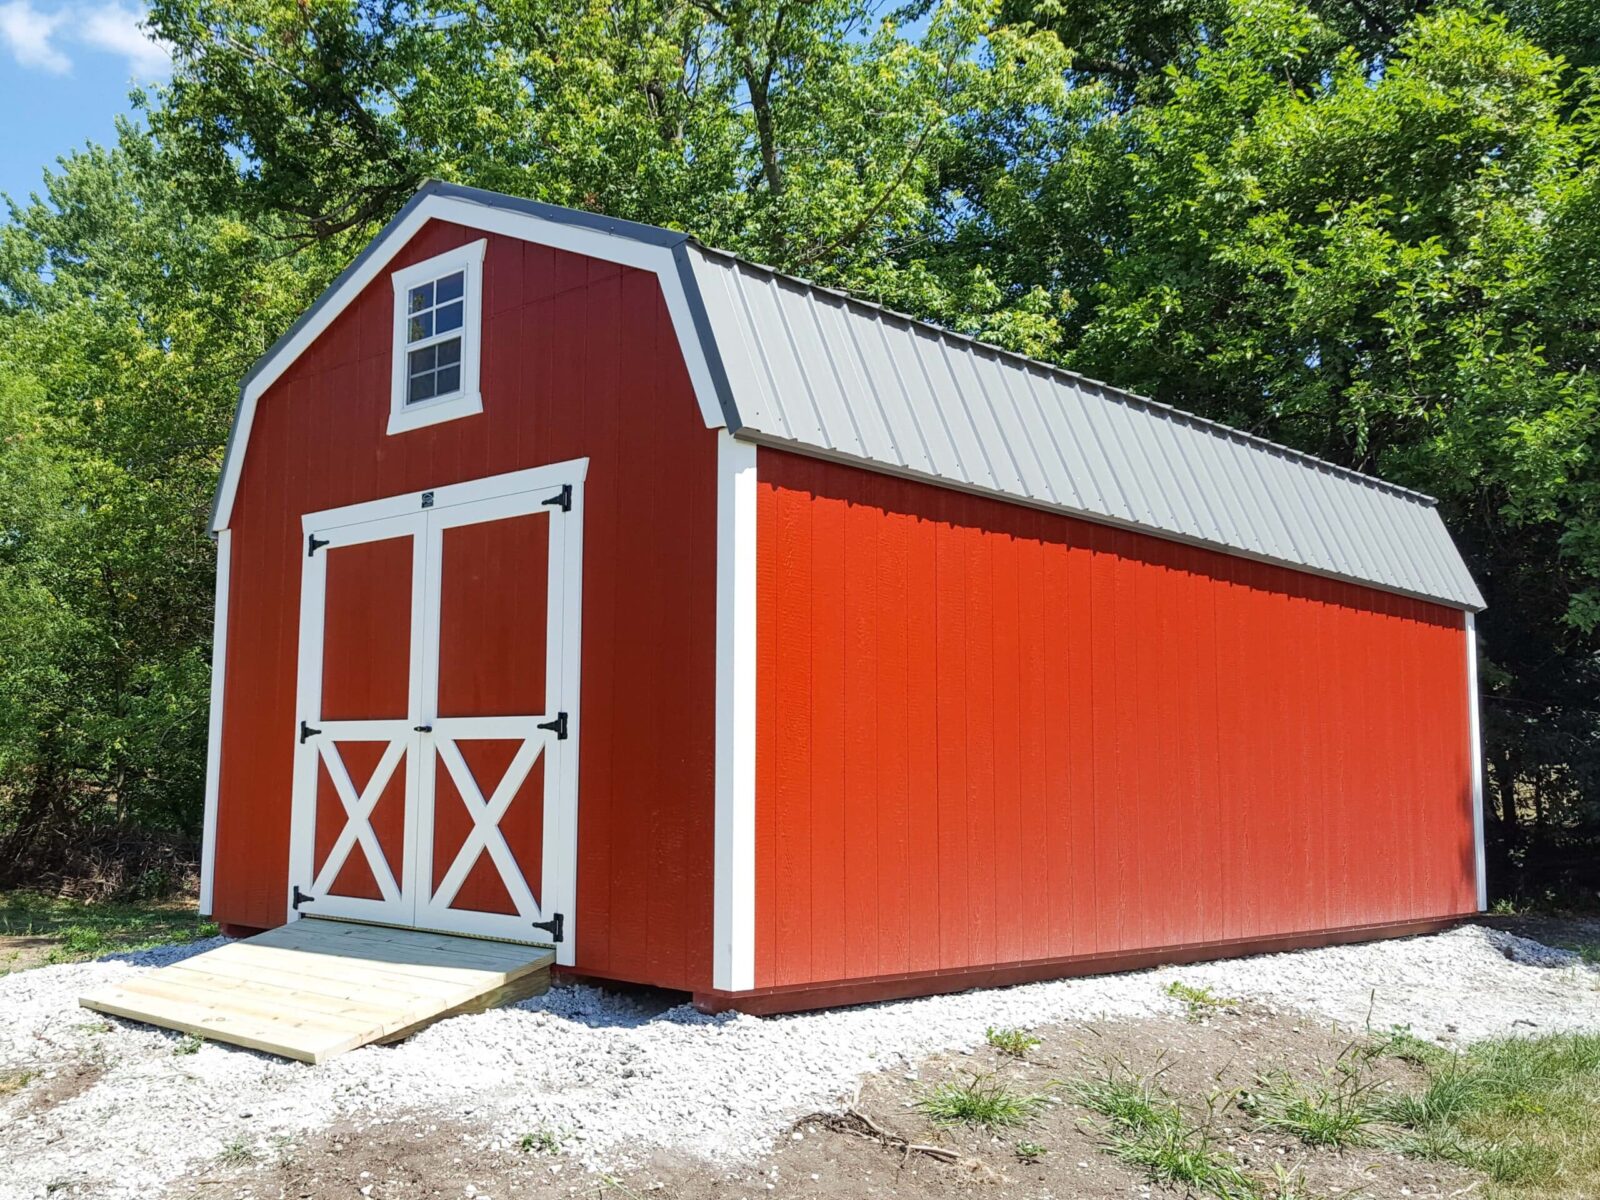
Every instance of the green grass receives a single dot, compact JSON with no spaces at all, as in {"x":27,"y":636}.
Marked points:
{"x":14,"y":1081}
{"x":1147,"y":1129}
{"x":1015,"y":1042}
{"x":237,"y":1153}
{"x":1525,"y":1111}
{"x":1197,"y":1001}
{"x":1401,"y":1043}
{"x":1337,"y":1111}
{"x":1589,"y":952}
{"x":72,"y":930}
{"x":979,"y":1100}
{"x":540,"y":1141}
{"x":1029,"y":1152}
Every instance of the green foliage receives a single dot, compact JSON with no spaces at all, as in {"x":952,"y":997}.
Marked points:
{"x":980,"y":1100}
{"x":1030,"y":1152}
{"x":1015,"y":1042}
{"x":540,"y":1141}
{"x":1197,"y":1002}
{"x":1368,"y":228}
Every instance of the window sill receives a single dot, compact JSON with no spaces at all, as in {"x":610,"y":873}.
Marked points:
{"x":422,"y":415}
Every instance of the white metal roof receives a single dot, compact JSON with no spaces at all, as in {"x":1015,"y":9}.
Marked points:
{"x":806,"y":368}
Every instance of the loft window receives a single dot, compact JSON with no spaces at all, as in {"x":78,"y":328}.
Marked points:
{"x":437,"y":325}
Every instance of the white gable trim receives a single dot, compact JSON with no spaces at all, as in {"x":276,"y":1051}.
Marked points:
{"x":577,"y":239}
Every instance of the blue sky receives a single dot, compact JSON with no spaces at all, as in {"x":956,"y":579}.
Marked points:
{"x":65,"y":70}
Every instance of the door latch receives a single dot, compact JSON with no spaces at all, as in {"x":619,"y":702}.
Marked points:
{"x":422,"y":729}
{"x":553,"y":926}
{"x":557,"y":726}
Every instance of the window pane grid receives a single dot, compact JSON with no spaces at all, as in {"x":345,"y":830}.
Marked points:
{"x":434,"y":314}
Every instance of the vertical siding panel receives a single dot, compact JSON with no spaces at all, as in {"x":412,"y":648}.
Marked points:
{"x":605,"y":676}
{"x":859,"y":703}
{"x":979,"y":733}
{"x":925,"y":833}
{"x":768,"y":717}
{"x":1034,"y":824}
{"x":828,"y":652}
{"x":950,"y":699}
{"x":1110,"y":797}
{"x":1061,"y":840}
{"x":893,"y":798}
{"x":1081,"y":621}
{"x":792,"y":798}
{"x":1005,"y":714}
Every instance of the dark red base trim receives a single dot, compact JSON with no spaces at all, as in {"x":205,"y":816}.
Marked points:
{"x":834,"y":994}
{"x":238,"y":931}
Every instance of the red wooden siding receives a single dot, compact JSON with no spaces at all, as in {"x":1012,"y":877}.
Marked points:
{"x":993,"y":735}
{"x":579,"y":359}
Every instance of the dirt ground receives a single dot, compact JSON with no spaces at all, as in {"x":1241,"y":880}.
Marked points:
{"x":833,"y":1158}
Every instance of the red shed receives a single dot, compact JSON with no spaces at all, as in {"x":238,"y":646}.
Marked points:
{"x":580,"y":584}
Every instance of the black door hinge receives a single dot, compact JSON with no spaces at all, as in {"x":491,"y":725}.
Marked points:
{"x":558,"y":726}
{"x":562,"y":499}
{"x":553,"y":926}
{"x":312,"y":542}
{"x":307,"y":732}
{"x":301,"y":898}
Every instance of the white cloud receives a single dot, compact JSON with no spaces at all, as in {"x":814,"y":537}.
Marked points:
{"x":34,"y":37}
{"x":26,"y":32}
{"x":115,"y":28}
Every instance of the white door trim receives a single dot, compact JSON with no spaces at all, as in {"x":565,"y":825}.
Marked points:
{"x":424,"y":516}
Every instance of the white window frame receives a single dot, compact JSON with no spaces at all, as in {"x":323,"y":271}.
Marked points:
{"x":467,"y":400}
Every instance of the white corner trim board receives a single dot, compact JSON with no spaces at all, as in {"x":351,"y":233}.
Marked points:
{"x":1475,"y":732}
{"x":527,"y":227}
{"x":733,"y":923}
{"x":219,"y":667}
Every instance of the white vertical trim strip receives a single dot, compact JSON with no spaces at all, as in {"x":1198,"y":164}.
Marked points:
{"x":308,"y":708}
{"x":219,"y":667}
{"x":733,"y":959}
{"x":1476,"y":734}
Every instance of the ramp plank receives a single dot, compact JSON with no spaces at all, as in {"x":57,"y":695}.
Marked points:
{"x":316,"y":988}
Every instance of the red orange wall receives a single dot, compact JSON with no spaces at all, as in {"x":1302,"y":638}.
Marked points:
{"x":579,"y":359}
{"x":993,"y":735}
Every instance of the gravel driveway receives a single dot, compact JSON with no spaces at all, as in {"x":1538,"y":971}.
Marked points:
{"x":114,"y":1109}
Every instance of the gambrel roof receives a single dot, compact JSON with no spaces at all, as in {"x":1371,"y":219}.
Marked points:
{"x":785,"y":363}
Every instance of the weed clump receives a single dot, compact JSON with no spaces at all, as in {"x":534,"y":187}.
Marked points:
{"x":1015,"y":1042}
{"x":1198,"y":1002}
{"x":980,"y":1100}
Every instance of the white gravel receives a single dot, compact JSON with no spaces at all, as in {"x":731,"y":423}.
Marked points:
{"x":618,"y":1081}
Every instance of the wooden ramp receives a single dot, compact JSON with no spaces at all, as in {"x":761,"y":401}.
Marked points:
{"x":316,"y":988}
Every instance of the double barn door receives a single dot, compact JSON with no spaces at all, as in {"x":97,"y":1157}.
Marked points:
{"x":436,"y":770}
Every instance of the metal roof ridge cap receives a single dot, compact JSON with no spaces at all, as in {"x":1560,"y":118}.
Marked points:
{"x":1206,"y":423}
{"x":638,"y":231}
